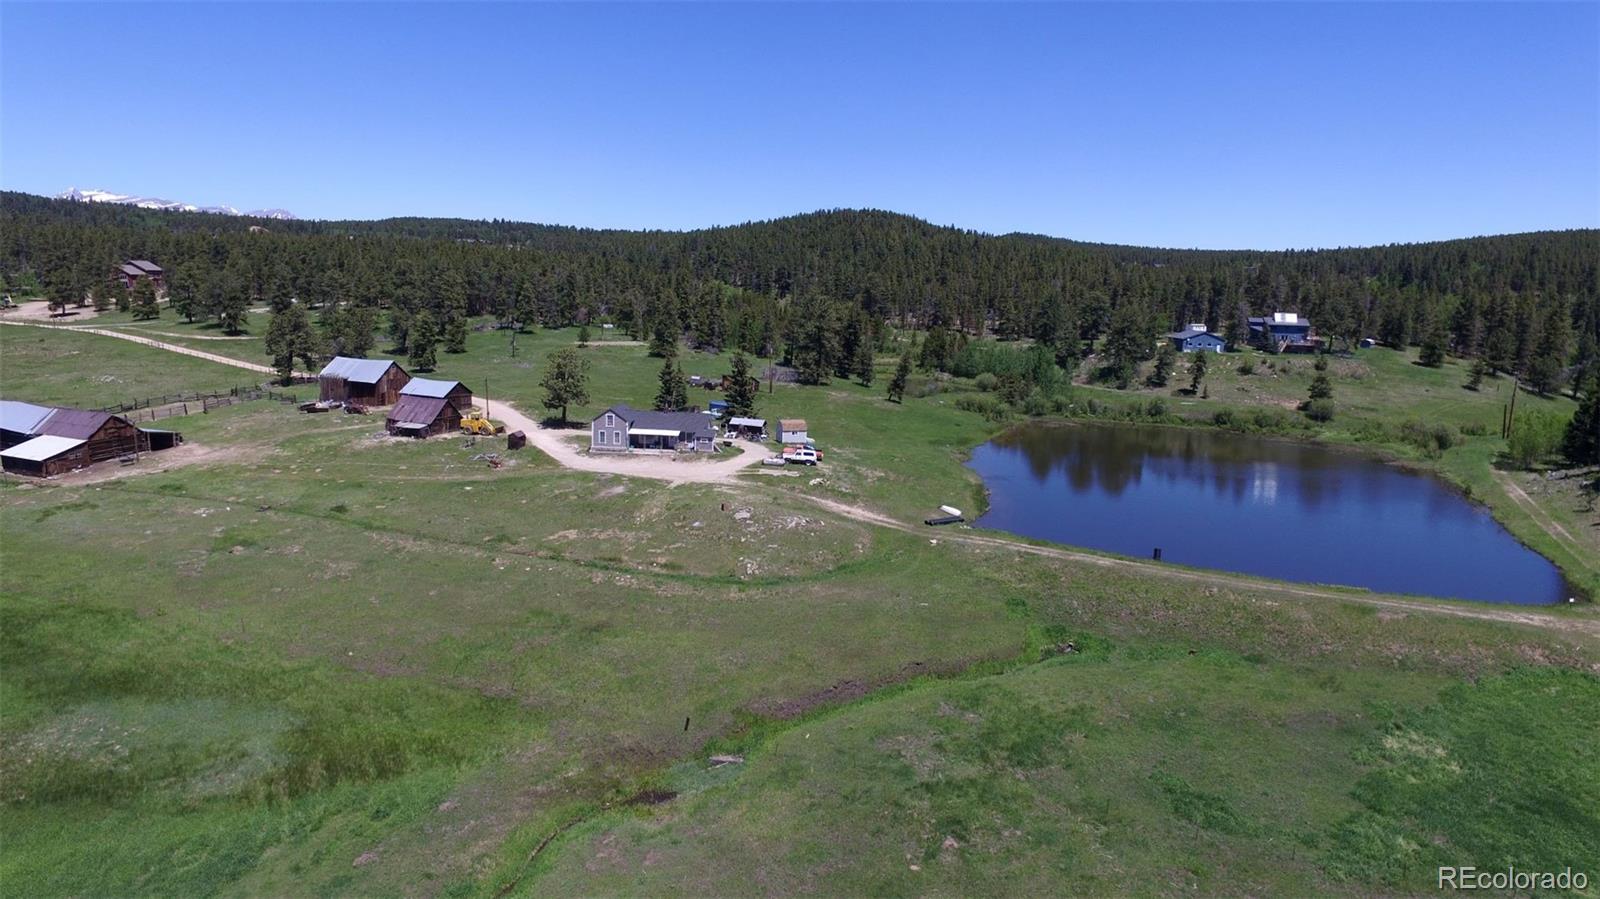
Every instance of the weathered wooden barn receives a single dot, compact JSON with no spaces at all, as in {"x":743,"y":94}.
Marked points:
{"x":456,"y":392}
{"x":423,"y":416}
{"x":105,"y":436}
{"x":45,"y":456}
{"x":371,"y":382}
{"x":49,"y":440}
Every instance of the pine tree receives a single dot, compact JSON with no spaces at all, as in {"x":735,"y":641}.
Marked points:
{"x":565,"y":381}
{"x":902,"y":374}
{"x":742,"y":389}
{"x":525,"y":306}
{"x":1127,"y":342}
{"x":674,"y":392}
{"x":1480,"y":368}
{"x":144,"y":301}
{"x":1433,"y":345}
{"x":583,"y":335}
{"x":816,"y":348}
{"x":119,"y":296}
{"x":1162,"y":373}
{"x":290,"y":337}
{"x":455,"y":333}
{"x":1197,"y":372}
{"x":1581,"y":444}
{"x":864,"y":363}
{"x":1321,"y":387}
{"x":664,"y":335}
{"x":354,"y":329}
{"x":422,"y":338}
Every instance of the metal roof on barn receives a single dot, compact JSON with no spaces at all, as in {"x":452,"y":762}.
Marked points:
{"x":428,"y":387}
{"x":417,"y":410}
{"x":41,"y":449}
{"x":78,"y":423}
{"x":145,"y":265}
{"x":22,"y":418}
{"x":361,"y":371}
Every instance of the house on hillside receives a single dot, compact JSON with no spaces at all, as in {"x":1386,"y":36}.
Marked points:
{"x":1196,"y":339}
{"x":371,"y":382}
{"x":135,"y":270}
{"x":792,"y":430}
{"x":623,"y":429}
{"x":1285,"y":332}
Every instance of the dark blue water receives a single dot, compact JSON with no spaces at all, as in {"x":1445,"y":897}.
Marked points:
{"x":1280,"y":509}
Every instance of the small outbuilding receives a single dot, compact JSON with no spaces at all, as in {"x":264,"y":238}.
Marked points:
{"x":46,"y":456}
{"x":792,"y":430}
{"x":423,"y":416}
{"x":748,"y":428}
{"x":371,"y":382}
{"x":1196,"y":339}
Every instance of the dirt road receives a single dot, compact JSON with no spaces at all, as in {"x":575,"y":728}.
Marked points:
{"x":658,"y":467}
{"x":156,"y":344}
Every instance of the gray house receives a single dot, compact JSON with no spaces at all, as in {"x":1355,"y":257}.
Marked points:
{"x":1196,"y":339}
{"x":623,"y":429}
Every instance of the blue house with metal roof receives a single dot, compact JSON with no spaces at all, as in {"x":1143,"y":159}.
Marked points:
{"x":1196,"y":339}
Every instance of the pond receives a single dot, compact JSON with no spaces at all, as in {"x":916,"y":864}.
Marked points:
{"x":1279,"y":509}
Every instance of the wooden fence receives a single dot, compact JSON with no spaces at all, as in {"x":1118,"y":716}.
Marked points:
{"x":168,"y":405}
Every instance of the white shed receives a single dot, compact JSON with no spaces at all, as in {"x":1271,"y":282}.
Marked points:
{"x":792,"y":430}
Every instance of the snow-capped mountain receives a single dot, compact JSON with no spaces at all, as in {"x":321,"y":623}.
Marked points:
{"x":106,"y":196}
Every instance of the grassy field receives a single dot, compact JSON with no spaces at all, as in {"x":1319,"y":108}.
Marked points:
{"x":334,"y":663}
{"x":56,"y":366}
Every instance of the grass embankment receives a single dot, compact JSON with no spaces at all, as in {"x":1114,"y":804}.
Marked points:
{"x":327,"y":665}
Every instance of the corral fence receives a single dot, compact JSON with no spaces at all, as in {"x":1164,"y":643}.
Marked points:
{"x":169,"y":405}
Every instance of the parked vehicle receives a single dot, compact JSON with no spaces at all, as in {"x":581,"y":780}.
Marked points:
{"x":804,"y":455}
{"x":774,"y":460}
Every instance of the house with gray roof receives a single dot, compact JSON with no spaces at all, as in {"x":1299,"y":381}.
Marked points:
{"x":1196,"y":339}
{"x":371,"y":382}
{"x":623,"y":429}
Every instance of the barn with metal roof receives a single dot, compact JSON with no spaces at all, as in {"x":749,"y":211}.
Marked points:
{"x":372,"y":382}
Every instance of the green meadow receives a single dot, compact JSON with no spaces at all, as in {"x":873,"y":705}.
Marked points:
{"x":323,"y":662}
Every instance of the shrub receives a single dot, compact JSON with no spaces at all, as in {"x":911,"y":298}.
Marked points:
{"x":1433,"y":440}
{"x":1319,"y":409}
{"x":1247,"y":367}
{"x":985,"y":381}
{"x":1224,"y":418}
{"x":1534,"y":437}
{"x":1036,"y":404}
{"x":1156,"y":408}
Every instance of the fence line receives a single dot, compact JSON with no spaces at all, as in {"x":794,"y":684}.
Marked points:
{"x":169,"y":405}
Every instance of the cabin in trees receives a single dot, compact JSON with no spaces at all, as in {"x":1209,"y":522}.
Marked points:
{"x":428,"y":407}
{"x":370,"y":382}
{"x":135,"y":270}
{"x":48,"y":440}
{"x":1196,"y":339}
{"x":622,"y":429}
{"x":1284,"y":332}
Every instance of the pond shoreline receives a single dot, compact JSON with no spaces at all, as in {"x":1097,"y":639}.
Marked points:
{"x":1431,"y":474}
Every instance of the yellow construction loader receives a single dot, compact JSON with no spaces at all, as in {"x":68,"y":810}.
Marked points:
{"x":475,"y":422}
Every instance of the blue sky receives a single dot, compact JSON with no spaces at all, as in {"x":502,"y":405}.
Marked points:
{"x":1227,"y":125}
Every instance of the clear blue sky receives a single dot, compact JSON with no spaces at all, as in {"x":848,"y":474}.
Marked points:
{"x":1238,"y":125}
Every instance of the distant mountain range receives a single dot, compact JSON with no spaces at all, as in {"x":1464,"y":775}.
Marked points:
{"x":106,"y":196}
